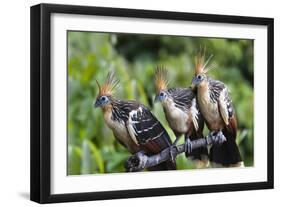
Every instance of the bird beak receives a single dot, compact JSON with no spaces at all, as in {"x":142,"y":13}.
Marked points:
{"x":156,"y":100}
{"x":193,"y":84}
{"x":97,"y":104}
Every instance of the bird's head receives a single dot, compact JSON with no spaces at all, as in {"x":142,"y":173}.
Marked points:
{"x":201,"y":69}
{"x":102,"y":101}
{"x":161,"y":96}
{"x":106,"y":91}
{"x":198,"y":79}
{"x":161,"y":83}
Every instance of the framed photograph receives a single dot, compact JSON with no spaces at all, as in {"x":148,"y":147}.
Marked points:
{"x":132,"y":103}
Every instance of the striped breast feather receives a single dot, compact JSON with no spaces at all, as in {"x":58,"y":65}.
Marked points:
{"x":182,"y":97}
{"x":144,"y":127}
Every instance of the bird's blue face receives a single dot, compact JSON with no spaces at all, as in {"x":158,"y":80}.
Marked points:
{"x":161,"y":96}
{"x":102,"y":101}
{"x":197,"y":80}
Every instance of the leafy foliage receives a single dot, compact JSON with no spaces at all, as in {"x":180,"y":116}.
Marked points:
{"x":91,"y":144}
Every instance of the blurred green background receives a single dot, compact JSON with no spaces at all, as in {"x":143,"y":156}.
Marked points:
{"x":91,"y":145}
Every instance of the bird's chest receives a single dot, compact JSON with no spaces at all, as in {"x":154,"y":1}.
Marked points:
{"x":177,"y":119}
{"x":118,"y":128}
{"x":210,"y":111}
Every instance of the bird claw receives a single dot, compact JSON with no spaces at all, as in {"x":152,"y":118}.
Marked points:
{"x":136,"y":162}
{"x":218,"y":138}
{"x":188,"y":146}
{"x":172,"y":152}
{"x":132,"y":163}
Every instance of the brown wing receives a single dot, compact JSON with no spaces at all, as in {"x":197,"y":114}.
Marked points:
{"x":152,"y":137}
{"x":143,"y":126}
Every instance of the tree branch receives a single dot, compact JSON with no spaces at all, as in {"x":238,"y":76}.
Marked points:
{"x":140,"y":160}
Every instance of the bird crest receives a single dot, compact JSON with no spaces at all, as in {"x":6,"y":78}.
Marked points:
{"x":110,"y":84}
{"x":201,"y":65}
{"x":160,"y":78}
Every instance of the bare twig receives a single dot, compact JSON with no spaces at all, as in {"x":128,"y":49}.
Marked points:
{"x":140,"y":160}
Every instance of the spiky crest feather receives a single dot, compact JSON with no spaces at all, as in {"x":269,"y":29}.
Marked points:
{"x":160,"y":78}
{"x":110,"y":84}
{"x":201,"y":66}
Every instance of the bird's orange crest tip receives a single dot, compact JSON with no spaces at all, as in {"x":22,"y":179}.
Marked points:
{"x":201,"y":66}
{"x":110,"y":84}
{"x":160,"y":78}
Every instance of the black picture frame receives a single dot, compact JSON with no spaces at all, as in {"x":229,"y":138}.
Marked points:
{"x":41,"y":99}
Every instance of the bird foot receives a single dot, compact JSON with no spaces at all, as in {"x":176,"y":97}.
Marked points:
{"x":132,"y":163}
{"x":135,"y":162}
{"x":217,"y":137}
{"x":173,"y":152}
{"x":188,"y":146}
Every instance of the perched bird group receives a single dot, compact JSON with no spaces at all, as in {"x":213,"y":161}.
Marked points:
{"x":186,"y":110}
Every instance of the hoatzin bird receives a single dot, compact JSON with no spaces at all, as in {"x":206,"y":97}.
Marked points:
{"x":133,"y":124}
{"x":217,"y":109}
{"x":182,"y":113}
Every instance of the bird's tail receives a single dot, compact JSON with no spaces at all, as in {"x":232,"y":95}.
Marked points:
{"x":226,"y":154}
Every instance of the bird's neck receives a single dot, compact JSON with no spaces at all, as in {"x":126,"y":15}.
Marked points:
{"x":203,"y":92}
{"x":168,"y":104}
{"x":107,"y":108}
{"x":107,"y":113}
